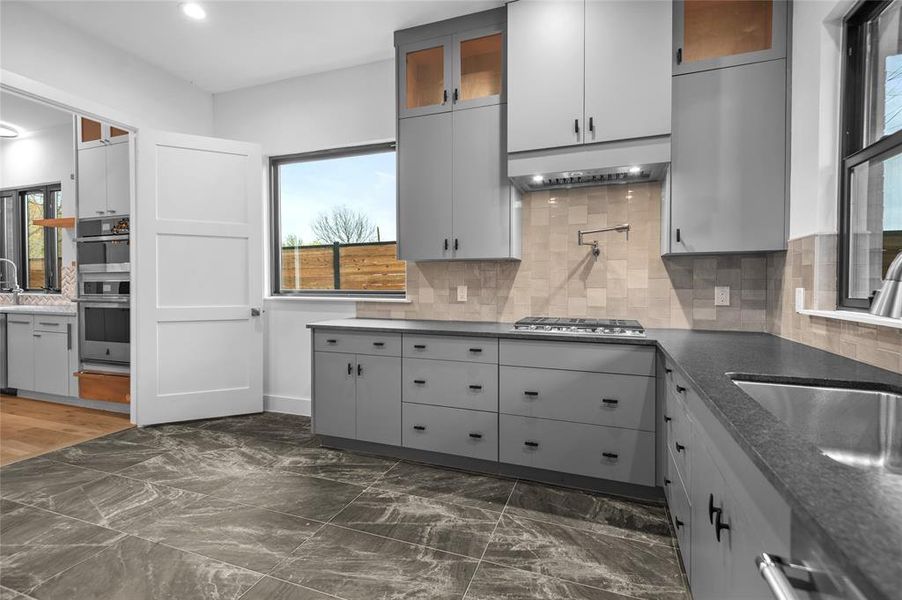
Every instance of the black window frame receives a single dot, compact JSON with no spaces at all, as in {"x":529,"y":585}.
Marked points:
{"x":853,"y":149}
{"x":275,"y":205}
{"x":52,"y":283}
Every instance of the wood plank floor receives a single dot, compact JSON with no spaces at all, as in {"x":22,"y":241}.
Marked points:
{"x":30,"y":427}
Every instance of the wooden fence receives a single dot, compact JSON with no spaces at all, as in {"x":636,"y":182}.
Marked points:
{"x":371,"y":266}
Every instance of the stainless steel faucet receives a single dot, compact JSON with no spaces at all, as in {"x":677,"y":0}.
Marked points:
{"x":16,"y":289}
{"x":888,"y":301}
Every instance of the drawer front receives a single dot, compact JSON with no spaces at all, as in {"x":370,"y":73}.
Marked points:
{"x":355,"y":342}
{"x":596,"y":398}
{"x":19,"y":318}
{"x":580,"y":356}
{"x":451,"y":383}
{"x":470,"y":349}
{"x":457,"y":431}
{"x":680,"y":512}
{"x":50,"y":323}
{"x":592,"y":450}
{"x":679,"y":433}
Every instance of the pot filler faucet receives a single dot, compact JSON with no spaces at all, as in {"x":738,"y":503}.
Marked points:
{"x":594,"y":243}
{"x":888,"y":301}
{"x":16,"y":289}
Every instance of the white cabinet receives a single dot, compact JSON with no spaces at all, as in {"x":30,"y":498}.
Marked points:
{"x":20,"y":345}
{"x":103,"y":180}
{"x":587,"y":71}
{"x":42,"y":354}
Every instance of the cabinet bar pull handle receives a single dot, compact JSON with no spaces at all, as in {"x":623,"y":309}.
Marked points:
{"x":576,"y":126}
{"x":666,"y":482}
{"x":680,"y":389}
{"x":667,"y":419}
{"x":420,"y":346}
{"x":476,"y":350}
{"x":331,"y":341}
{"x":420,"y":381}
{"x":591,"y":124}
{"x":610,"y":401}
{"x":48,"y":323}
{"x":444,"y":96}
{"x":678,"y":235}
{"x":456,"y":94}
{"x":476,"y":436}
{"x":420,"y":427}
{"x":359,"y":369}
{"x":36,"y":334}
{"x":679,"y":447}
{"x":611,"y":455}
{"x":531,"y":444}
{"x":677,"y":522}
{"x":679,"y":56}
{"x":350,"y":369}
{"x":531,"y":394}
{"x":668,"y":371}
{"x":719,"y":526}
{"x":446,"y":243}
{"x":68,"y":336}
{"x":475,"y":387}
{"x":378,"y":344}
{"x":712,"y":510}
{"x":456,"y":244}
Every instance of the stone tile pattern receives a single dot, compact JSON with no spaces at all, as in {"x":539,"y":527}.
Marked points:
{"x":68,"y":292}
{"x":252,"y":507}
{"x":810,"y":263}
{"x":557,"y":277}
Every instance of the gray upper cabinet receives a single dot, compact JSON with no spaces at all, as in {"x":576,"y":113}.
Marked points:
{"x":103,"y":179}
{"x":713,"y":35}
{"x":578,"y":72}
{"x":627,"y":69}
{"x":729,"y":160}
{"x":545,"y":74}
{"x":424,"y":187}
{"x":454,"y":197}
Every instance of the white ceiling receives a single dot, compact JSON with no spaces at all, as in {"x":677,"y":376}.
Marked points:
{"x":243,"y":43}
{"x":28,"y":115}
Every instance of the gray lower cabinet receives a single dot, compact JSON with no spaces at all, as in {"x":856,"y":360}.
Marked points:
{"x":710,"y":579}
{"x":579,"y":356}
{"x":335,"y":394}
{"x":51,"y":362}
{"x":20,"y":344}
{"x":591,"y":450}
{"x":595,"y":398}
{"x":680,"y":510}
{"x":728,"y":172}
{"x":471,"y":349}
{"x":384,"y":344}
{"x":462,"y":432}
{"x":455,"y":384}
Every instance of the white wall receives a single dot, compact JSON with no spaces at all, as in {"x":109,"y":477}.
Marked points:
{"x":816,"y":68}
{"x":35,"y":45}
{"x":327,"y":110}
{"x":43,"y":156}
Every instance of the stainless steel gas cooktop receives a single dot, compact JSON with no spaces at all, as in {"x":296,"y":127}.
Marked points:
{"x":607,"y":327}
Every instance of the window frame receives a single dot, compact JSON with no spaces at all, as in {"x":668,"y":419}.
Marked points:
{"x":52,"y":270}
{"x":853,"y":149}
{"x":275,"y":207}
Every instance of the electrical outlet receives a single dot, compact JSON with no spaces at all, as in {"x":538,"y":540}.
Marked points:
{"x":461,"y":293}
{"x":800,"y":299}
{"x":722,"y":295}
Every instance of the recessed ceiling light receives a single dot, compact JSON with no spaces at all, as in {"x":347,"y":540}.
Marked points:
{"x":193,"y":10}
{"x":634,"y":170}
{"x":8,"y":132}
{"x":538,"y":178}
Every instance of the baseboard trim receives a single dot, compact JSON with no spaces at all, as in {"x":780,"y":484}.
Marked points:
{"x":115,"y":407}
{"x":291,"y":405}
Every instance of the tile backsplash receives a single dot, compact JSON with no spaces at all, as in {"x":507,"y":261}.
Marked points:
{"x":556,"y":277}
{"x":67,"y":291}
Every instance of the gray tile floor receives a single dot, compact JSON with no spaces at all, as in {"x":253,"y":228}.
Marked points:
{"x":252,"y":508}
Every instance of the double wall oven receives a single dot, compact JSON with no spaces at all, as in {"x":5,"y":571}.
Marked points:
{"x":104,"y":282}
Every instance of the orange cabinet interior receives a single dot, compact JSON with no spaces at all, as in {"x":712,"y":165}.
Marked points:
{"x":716,"y":28}
{"x":109,"y":387}
{"x":425,"y":77}
{"x":480,"y":67}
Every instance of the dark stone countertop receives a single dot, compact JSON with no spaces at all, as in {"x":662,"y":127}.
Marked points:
{"x":854,"y":514}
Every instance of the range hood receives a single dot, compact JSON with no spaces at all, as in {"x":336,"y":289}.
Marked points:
{"x":631,"y":161}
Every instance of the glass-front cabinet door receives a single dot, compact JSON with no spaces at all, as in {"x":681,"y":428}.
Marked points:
{"x":711,"y":34}
{"x":424,"y":74}
{"x":478,"y":68}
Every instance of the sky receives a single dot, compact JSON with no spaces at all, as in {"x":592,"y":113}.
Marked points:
{"x":364,"y":183}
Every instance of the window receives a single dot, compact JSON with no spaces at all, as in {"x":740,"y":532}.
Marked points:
{"x":871,"y":193}
{"x":36,"y":250}
{"x":335,"y":224}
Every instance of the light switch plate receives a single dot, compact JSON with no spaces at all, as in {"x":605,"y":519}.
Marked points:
{"x":461,"y":293}
{"x":722,"y":295}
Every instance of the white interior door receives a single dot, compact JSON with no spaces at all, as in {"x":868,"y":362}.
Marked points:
{"x":199,"y":278}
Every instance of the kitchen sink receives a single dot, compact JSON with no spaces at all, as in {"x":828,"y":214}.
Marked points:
{"x":860,"y":428}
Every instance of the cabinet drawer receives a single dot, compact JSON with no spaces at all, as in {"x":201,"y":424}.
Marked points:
{"x":50,"y":323}
{"x":679,"y":434}
{"x":680,"y":511}
{"x":457,"y":431}
{"x":19,"y":319}
{"x":451,"y":383}
{"x":354,"y":342}
{"x":580,"y":356}
{"x":592,"y":450}
{"x":471,"y":349}
{"x":596,"y":398}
